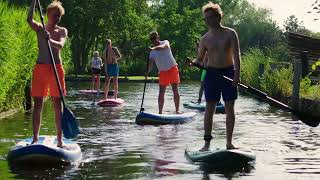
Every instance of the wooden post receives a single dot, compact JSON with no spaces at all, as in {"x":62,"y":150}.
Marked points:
{"x":261,"y":70}
{"x":296,"y":84}
{"x":304,"y":62}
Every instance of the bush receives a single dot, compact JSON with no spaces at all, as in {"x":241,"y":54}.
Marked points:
{"x":250,"y":67}
{"x":278,"y":82}
{"x":309,"y":91}
{"x":18,"y":51}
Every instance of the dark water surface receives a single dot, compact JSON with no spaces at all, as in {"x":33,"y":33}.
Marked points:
{"x":114,"y":147}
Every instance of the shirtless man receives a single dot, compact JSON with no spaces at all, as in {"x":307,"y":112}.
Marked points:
{"x":222,"y":46}
{"x":111,"y":58}
{"x":43,"y":78}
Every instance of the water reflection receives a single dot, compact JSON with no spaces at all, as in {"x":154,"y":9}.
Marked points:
{"x":114,"y":147}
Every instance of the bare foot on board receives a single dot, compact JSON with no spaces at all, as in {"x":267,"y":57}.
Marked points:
{"x":60,"y":144}
{"x":205,"y":148}
{"x":34,"y":141}
{"x":231,"y":146}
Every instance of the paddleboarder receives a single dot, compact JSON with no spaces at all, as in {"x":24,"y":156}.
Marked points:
{"x":221,"y":44}
{"x":43,"y":78}
{"x":111,"y":57}
{"x":96,"y":64}
{"x":161,"y":55}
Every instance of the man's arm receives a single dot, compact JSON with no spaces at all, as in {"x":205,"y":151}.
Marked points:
{"x":201,"y":53}
{"x":32,"y":23}
{"x":59,"y":44}
{"x":162,"y":46}
{"x":236,"y":55}
{"x":119,"y":56}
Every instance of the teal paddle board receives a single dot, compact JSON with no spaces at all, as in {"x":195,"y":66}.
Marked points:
{"x":221,"y":157}
{"x":202,"y":106}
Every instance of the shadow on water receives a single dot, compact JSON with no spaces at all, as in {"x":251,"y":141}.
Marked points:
{"x":43,"y":171}
{"x":227,"y":172}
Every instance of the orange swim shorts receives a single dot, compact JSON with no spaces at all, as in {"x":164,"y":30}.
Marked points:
{"x":170,"y":76}
{"x":44,"y":81}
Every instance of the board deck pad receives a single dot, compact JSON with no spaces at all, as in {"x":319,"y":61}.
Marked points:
{"x":219,"y":156}
{"x":45,"y":151}
{"x":94,"y":92}
{"x":145,"y":118}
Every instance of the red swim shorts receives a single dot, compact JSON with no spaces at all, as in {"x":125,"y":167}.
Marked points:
{"x":44,"y":81}
{"x":170,"y":76}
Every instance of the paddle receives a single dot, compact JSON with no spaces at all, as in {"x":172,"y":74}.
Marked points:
{"x":94,"y":98}
{"x":304,"y":117}
{"x":145,"y":84}
{"x":69,"y":124}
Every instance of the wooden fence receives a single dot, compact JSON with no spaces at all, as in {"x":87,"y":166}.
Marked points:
{"x":306,"y":50}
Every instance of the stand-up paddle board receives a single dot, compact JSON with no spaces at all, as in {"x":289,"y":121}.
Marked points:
{"x":111,"y":102}
{"x":202,"y":106}
{"x":220,"y":157}
{"x":45,"y":151}
{"x":144,"y":118}
{"x":94,"y":92}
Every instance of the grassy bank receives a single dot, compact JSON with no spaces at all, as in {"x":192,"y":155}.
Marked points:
{"x":276,"y":82}
{"x":18,"y":51}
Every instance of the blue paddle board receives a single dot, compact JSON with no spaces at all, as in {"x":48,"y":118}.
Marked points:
{"x":144,"y":118}
{"x":221,"y":157}
{"x":202,"y":106}
{"x":44,"y":152}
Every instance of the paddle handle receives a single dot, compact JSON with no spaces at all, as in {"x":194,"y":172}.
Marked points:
{"x":51,"y":55}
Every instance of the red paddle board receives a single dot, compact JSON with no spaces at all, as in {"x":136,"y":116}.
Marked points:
{"x":110,"y":102}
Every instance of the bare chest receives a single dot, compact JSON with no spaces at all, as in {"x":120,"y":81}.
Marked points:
{"x":218,"y":43}
{"x":55,"y":34}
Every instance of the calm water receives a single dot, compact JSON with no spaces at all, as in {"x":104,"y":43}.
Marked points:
{"x":114,"y":147}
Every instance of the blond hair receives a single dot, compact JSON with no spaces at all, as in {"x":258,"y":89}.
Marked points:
{"x":210,"y":6}
{"x":153,"y":34}
{"x":109,"y":41}
{"x":56,"y":4}
{"x":96,"y":53}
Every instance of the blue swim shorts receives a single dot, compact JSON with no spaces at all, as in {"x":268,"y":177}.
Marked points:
{"x":215,"y":85}
{"x":112,"y":70}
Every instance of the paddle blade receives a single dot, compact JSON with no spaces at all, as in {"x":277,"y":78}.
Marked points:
{"x":306,"y":118}
{"x":69,"y":124}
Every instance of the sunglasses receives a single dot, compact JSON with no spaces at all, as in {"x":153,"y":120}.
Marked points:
{"x":215,"y":15}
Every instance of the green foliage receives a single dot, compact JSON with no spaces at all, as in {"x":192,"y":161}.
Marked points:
{"x":250,"y":67}
{"x":278,"y":82}
{"x":18,"y":51}
{"x":315,"y":65}
{"x":307,"y":90}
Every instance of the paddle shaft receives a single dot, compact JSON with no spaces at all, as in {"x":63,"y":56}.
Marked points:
{"x":51,"y":55}
{"x":252,"y":89}
{"x":94,"y":98}
{"x":145,"y":84}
